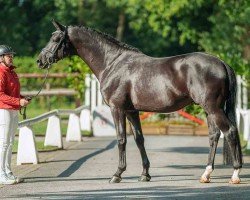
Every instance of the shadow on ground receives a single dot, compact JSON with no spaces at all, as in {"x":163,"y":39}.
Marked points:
{"x":77,"y":164}
{"x":187,"y":150}
{"x":223,"y":192}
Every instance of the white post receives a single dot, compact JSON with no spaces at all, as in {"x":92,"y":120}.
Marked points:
{"x":246,"y":124}
{"x":99,"y":95}
{"x":248,"y":144}
{"x":93,"y":93}
{"x":103,"y":123}
{"x":238,"y":118}
{"x":74,"y":130}
{"x":87,"y":91}
{"x":26,"y":152}
{"x":247,"y":129}
{"x":53,"y":135}
{"x":244,"y":94}
{"x":85,"y":120}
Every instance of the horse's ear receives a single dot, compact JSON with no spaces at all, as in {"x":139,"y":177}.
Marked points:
{"x":58,"y":26}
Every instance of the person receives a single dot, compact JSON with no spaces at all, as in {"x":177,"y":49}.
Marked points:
{"x":10,"y":102}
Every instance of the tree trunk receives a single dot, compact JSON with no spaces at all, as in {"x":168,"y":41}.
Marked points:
{"x":247,"y":52}
{"x":80,"y":12}
{"x":121,"y":26}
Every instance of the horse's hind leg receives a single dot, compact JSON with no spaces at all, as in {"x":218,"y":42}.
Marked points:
{"x":134,"y":120}
{"x":120,"y":124}
{"x":230,"y":132}
{"x":214,"y":135}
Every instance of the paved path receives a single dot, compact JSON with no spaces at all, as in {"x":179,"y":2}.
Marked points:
{"x":82,"y":171}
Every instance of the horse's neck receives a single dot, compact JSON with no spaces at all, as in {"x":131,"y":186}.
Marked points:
{"x":94,"y":52}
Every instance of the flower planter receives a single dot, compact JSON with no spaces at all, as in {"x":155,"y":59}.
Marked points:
{"x":177,"y":129}
{"x":201,"y":130}
{"x":150,"y":129}
{"x":172,"y":129}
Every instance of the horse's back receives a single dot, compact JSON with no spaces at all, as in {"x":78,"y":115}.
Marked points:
{"x":166,"y":84}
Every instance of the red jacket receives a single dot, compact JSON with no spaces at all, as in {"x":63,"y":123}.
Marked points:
{"x":9,"y":89}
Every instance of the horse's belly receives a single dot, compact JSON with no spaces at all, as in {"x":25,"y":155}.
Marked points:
{"x":160,"y":102}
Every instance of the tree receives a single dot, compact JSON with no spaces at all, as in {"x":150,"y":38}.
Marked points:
{"x":229,"y":37}
{"x":217,"y":27}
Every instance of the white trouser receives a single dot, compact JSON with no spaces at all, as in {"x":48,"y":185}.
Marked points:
{"x":8,"y":128}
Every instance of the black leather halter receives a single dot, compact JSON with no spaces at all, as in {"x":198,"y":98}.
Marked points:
{"x":62,"y":42}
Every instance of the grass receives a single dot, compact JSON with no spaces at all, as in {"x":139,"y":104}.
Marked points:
{"x":244,"y":145}
{"x":39,"y":129}
{"x":39,"y":145}
{"x":247,"y":151}
{"x":33,"y":110}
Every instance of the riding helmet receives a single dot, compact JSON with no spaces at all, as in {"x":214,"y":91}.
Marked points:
{"x":4,"y":49}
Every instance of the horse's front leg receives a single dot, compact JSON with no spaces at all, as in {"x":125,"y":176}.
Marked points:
{"x":120,"y":124}
{"x":134,"y":120}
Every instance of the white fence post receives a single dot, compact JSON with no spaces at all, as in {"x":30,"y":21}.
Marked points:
{"x":99,"y":95}
{"x":87,"y":91}
{"x":85,"y":120}
{"x":103,"y":123}
{"x":53,"y":135}
{"x":246,"y":124}
{"x":248,"y":144}
{"x":74,"y":129}
{"x":243,"y":123}
{"x":93,"y":93}
{"x":244,"y":94}
{"x":26,"y":152}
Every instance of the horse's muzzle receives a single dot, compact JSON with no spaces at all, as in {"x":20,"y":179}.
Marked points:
{"x":42,"y":65}
{"x":39,"y":63}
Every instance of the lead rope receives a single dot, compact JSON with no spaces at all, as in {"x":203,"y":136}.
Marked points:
{"x":28,"y":98}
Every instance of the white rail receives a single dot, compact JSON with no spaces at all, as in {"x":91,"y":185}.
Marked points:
{"x":27,"y":152}
{"x":57,"y":112}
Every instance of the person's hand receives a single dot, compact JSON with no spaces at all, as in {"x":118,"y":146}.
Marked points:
{"x":28,"y":98}
{"x":24,"y":102}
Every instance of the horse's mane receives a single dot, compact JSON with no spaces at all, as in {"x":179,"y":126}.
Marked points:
{"x":109,"y":38}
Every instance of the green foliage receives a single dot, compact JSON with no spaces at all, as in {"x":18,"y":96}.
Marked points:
{"x":70,"y":65}
{"x":159,"y":28}
{"x":195,"y":110}
{"x":229,"y":35}
{"x":217,"y":27}
{"x":76,"y":65}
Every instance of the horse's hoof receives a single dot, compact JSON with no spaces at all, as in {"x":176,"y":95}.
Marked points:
{"x":115,"y":179}
{"x":144,"y":178}
{"x":205,"y":180}
{"x":234,"y":181}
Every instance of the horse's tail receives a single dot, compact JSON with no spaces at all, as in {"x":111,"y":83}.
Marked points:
{"x":231,"y":115}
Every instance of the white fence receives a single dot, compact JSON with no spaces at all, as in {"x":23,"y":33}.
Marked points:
{"x":242,"y":93}
{"x":27,"y":152}
{"x":93,"y":95}
{"x":242,"y":111}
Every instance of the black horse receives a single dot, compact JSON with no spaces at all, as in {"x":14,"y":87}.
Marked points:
{"x":132,"y":81}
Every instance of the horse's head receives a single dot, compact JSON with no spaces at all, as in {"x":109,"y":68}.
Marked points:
{"x":57,"y":48}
